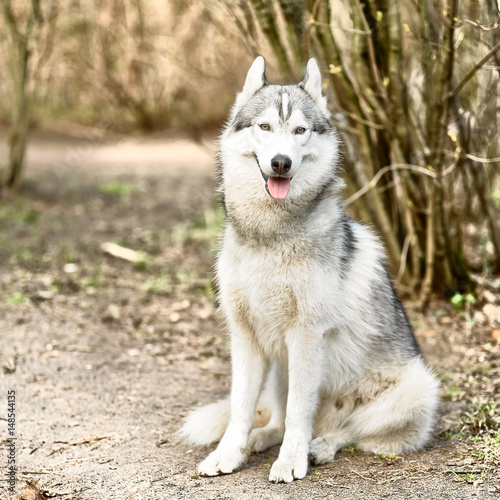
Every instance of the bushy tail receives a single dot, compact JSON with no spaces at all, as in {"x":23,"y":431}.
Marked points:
{"x":207,"y":424}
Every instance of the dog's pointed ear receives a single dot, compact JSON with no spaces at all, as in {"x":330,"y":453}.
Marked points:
{"x":256,"y":79}
{"x":311,"y":83}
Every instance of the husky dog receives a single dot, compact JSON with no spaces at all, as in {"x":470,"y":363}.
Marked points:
{"x":308,"y":298}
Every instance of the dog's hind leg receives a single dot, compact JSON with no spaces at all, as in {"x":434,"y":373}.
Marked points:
{"x":401,"y":418}
{"x":397,"y":420}
{"x":273,"y":399}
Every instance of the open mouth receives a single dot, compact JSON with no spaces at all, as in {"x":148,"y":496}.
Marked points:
{"x":277,"y":187}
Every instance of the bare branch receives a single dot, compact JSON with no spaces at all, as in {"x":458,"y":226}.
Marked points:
{"x":472,"y":72}
{"x":404,"y":254}
{"x":400,"y":166}
{"x":371,"y":54}
{"x":311,"y":20}
{"x":474,"y":158}
{"x":483,"y":27}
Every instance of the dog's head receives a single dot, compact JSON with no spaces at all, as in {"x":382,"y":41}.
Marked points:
{"x":279,"y":138}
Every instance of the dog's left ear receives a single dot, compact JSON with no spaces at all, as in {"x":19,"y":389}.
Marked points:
{"x":311,"y":83}
{"x":256,"y":79}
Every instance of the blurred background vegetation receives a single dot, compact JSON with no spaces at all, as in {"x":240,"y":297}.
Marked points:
{"x":413,"y":88}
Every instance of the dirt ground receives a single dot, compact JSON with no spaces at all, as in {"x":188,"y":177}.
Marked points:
{"x":107,"y":356}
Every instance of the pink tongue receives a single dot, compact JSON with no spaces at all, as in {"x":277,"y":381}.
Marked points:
{"x":278,"y":187}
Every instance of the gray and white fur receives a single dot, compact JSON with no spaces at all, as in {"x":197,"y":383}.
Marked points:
{"x":323,"y":354}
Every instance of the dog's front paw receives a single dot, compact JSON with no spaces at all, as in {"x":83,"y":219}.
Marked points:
{"x":221,"y":462}
{"x":286,"y":470}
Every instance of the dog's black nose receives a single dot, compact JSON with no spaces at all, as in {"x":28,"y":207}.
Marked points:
{"x":281,"y":164}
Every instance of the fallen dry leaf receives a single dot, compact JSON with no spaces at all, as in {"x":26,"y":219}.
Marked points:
{"x":427,"y":334}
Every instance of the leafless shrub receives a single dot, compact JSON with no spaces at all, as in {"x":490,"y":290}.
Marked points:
{"x":414,"y":88}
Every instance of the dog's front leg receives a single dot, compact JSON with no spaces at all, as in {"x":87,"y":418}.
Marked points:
{"x":304,"y":372}
{"x":248,"y":375}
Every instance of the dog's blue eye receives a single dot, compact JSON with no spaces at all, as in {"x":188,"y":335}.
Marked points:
{"x":265,"y":126}
{"x":300,"y":130}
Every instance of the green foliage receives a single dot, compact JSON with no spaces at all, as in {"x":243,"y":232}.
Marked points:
{"x":468,"y":477}
{"x":20,"y":212}
{"x":496,"y":197}
{"x":204,"y":229}
{"x":483,"y":418}
{"x":115,"y":188}
{"x":16,"y":298}
{"x":161,"y":285}
{"x":459,"y":300}
{"x":67,"y":255}
{"x":452,"y":392}
{"x":142,"y":262}
{"x":480,"y":430}
{"x":390,"y":458}
{"x":92,"y":282}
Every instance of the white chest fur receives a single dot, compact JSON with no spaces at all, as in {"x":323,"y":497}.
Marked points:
{"x":266,"y":292}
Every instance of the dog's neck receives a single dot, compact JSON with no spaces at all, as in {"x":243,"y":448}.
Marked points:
{"x":263,"y":221}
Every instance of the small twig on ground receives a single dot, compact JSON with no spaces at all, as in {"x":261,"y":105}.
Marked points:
{"x":363,"y":477}
{"x":449,"y":471}
{"x":124,"y":253}
{"x":337,"y":485}
{"x":85,"y":459}
{"x":89,"y":440}
{"x":41,"y":471}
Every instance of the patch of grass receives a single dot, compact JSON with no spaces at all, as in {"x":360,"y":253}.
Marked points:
{"x":184,"y":276}
{"x":19,"y":212}
{"x":453,"y":392}
{"x":390,"y":458}
{"x":158,"y":286}
{"x":142,"y":262}
{"x":26,"y":254}
{"x":15,"y":298}
{"x":318,"y":474}
{"x":480,"y":432}
{"x":91,"y":282}
{"x":204,"y":228}
{"x":67,"y":255}
{"x":467,"y":477}
{"x":115,"y":188}
{"x":208,"y":289}
{"x":30,"y":216}
{"x":487,"y":449}
{"x":483,"y":418}
{"x":351,"y":448}
{"x":451,"y":435}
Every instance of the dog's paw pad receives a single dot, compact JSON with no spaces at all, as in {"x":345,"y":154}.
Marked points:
{"x":286,"y":472}
{"x":221,"y":463}
{"x":208,"y":467}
